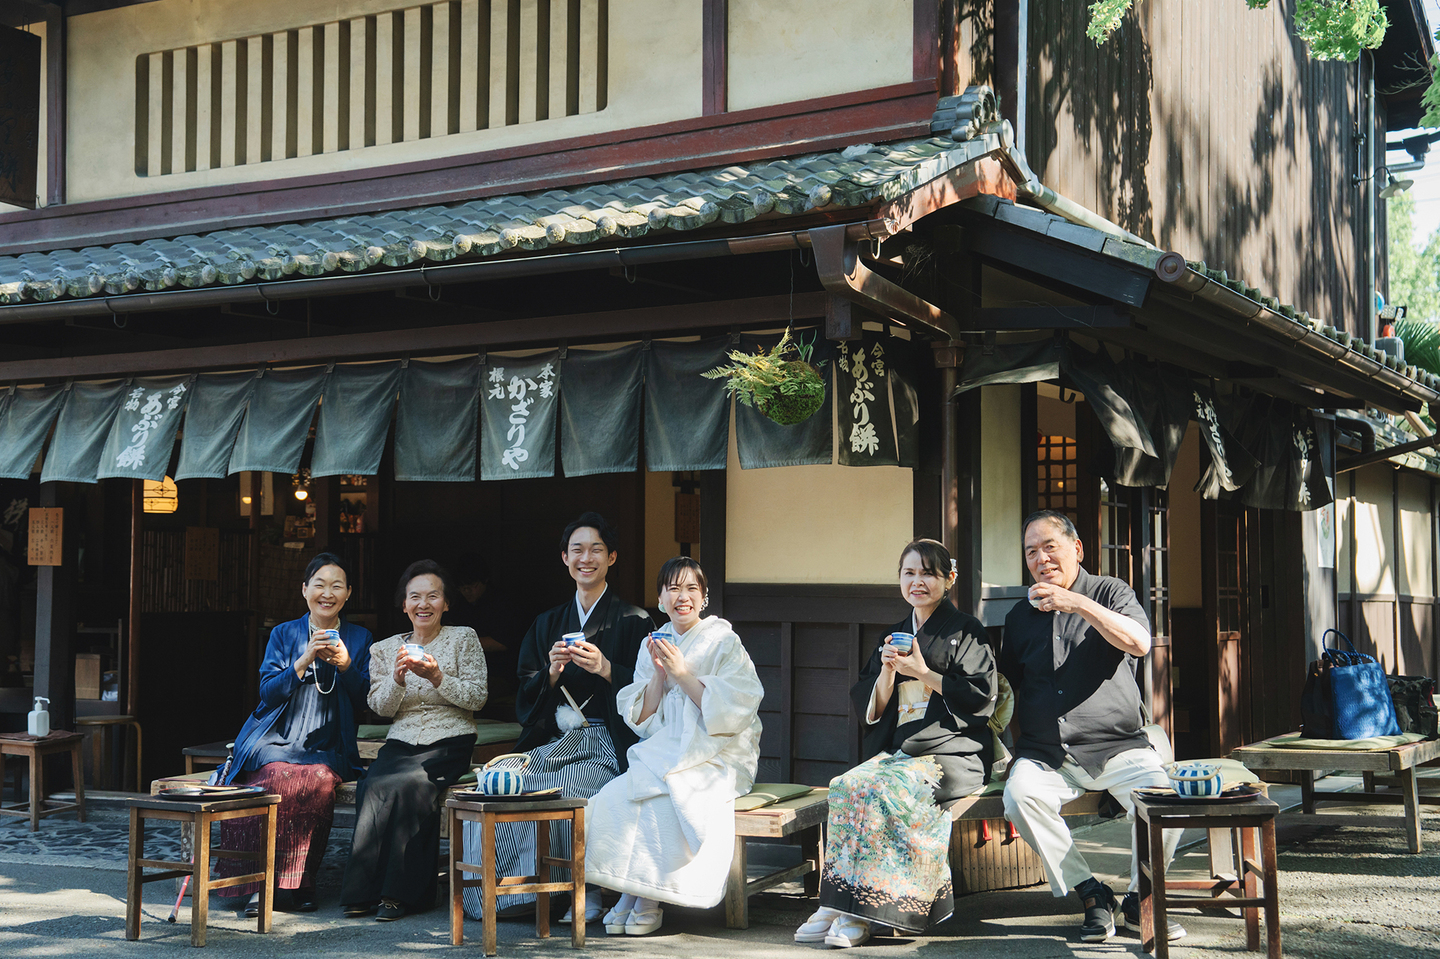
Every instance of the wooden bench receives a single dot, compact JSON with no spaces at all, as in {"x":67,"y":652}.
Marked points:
{"x":1399,"y":762}
{"x":986,"y":853}
{"x":804,"y":816}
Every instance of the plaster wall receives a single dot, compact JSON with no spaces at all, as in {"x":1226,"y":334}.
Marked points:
{"x":1185,"y":559}
{"x":1416,"y":537}
{"x":660,"y":542}
{"x":1374,"y":531}
{"x":779,"y":52}
{"x":1001,"y":433}
{"x":816,"y":524}
{"x":654,"y":76}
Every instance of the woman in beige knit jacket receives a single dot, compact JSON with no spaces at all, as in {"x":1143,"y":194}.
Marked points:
{"x":431,"y":681}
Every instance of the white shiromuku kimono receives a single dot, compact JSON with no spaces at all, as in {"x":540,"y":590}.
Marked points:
{"x":665,"y":829}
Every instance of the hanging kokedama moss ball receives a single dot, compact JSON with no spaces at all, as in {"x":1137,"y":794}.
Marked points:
{"x":800,"y":395}
{"x":788,"y":391}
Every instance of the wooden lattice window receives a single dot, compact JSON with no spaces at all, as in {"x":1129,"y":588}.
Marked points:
{"x":1057,"y":475}
{"x":411,"y":74}
{"x":1157,"y":549}
{"x":1115,"y":533}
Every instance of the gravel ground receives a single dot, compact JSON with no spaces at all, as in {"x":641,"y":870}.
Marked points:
{"x":1347,"y":889}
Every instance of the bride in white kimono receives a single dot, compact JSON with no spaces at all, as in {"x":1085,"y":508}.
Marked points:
{"x":664,"y":831}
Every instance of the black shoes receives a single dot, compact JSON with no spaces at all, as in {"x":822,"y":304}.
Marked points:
{"x":1100,"y":908}
{"x":358,"y":910}
{"x":1130,"y":917}
{"x":390,"y":910}
{"x":252,"y":906}
{"x":302,"y":900}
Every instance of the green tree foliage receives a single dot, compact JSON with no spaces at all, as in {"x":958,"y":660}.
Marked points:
{"x":1414,"y":269}
{"x":1332,"y":29}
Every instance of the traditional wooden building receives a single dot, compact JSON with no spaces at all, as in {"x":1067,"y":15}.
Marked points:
{"x":452,"y":270}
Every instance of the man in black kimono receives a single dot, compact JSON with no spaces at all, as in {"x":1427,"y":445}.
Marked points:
{"x":577,"y":751}
{"x":1069,"y":654}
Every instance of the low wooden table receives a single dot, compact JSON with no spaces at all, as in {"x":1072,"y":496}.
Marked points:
{"x":199,"y":815}
{"x":1153,"y":817}
{"x":35,"y":750}
{"x":487,"y":814}
{"x":1399,"y":761}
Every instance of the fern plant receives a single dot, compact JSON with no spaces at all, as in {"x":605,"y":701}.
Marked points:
{"x":781,"y":384}
{"x":1422,"y":343}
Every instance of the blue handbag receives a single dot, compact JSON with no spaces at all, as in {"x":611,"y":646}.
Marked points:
{"x":1360,"y":701}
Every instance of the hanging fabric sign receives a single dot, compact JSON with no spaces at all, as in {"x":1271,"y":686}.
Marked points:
{"x":761,"y":442}
{"x":1231,"y":465}
{"x":277,"y":424}
{"x":1309,"y":471}
{"x":142,"y":436}
{"x":600,"y":411}
{"x":687,"y":417}
{"x":217,"y":407}
{"x":1161,"y":398}
{"x":862,"y":390}
{"x":81,"y":431}
{"x":999,"y":363}
{"x":354,"y":418}
{"x":517,"y":425}
{"x":24,"y":422}
{"x":436,"y":420}
{"x":905,"y":397}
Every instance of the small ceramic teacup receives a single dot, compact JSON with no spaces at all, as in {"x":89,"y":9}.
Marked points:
{"x":1196,"y":780}
{"x":332,"y":636}
{"x":570,"y":639}
{"x":415,"y":651}
{"x":902,"y":641}
{"x":1034,"y":600}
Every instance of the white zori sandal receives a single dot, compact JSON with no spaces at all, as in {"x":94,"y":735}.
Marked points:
{"x":619,"y":914}
{"x":817,"y":927}
{"x":847,"y":931}
{"x":645,"y":918}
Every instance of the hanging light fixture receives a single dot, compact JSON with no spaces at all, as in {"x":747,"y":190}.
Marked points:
{"x":160,"y":496}
{"x":301,"y":482}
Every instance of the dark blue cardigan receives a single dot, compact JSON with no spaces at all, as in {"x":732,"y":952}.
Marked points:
{"x":278,"y":683}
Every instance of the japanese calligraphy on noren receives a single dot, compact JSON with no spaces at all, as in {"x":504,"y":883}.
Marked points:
{"x":862,"y":388}
{"x":47,"y":536}
{"x":518,"y":420}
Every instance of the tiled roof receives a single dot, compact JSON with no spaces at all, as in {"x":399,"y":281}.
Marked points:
{"x":856,"y":176}
{"x":1148,"y":257}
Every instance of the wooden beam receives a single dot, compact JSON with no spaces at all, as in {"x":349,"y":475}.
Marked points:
{"x":56,"y":42}
{"x":715,"y":44}
{"x":712,"y":535}
{"x":436,"y":340}
{"x":925,"y":43}
{"x":1032,"y":256}
{"x":741,"y":136}
{"x":55,"y":622}
{"x":1048,"y":318}
{"x":132,"y":631}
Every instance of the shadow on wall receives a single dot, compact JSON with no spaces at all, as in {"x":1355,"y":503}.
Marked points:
{"x":1240,"y":125}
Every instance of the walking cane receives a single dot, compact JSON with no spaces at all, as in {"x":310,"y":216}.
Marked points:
{"x":184,"y":884}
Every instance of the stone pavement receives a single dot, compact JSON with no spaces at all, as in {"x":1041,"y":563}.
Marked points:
{"x":1347,"y":889}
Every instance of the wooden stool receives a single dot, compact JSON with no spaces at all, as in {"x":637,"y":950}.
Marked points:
{"x":102,"y":726}
{"x":206,"y":756}
{"x":199,"y":814}
{"x":487,"y":814}
{"x":20,"y":744}
{"x":1225,"y":819}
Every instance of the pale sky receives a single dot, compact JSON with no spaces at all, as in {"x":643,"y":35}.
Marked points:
{"x":1426,"y":190}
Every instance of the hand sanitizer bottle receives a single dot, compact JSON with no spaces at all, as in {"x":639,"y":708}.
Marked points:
{"x":40,"y":718}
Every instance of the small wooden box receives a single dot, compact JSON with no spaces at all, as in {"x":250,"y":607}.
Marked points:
{"x":87,"y":675}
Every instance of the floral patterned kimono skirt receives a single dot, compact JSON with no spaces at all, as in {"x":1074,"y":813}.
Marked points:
{"x":887,"y":853}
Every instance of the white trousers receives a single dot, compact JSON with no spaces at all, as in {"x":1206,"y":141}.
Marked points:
{"x":1034,"y":795}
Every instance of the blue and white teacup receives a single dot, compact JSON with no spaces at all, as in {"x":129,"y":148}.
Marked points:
{"x":570,"y":639}
{"x":415,"y":651}
{"x":902,"y":641}
{"x":1196,"y":780}
{"x":506,"y":781}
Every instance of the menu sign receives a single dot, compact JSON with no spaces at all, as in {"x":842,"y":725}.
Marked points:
{"x":47,"y":536}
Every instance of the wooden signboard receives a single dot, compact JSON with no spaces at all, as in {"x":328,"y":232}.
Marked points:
{"x":47,"y":536}
{"x":202,"y":553}
{"x":19,"y":116}
{"x":687,"y":517}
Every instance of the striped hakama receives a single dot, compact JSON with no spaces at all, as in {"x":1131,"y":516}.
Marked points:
{"x":580,"y":762}
{"x":302,"y":827}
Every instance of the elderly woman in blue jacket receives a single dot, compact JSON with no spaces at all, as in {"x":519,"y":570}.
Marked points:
{"x":299,"y":742}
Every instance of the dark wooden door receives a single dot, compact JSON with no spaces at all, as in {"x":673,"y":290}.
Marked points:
{"x":1224,"y":584}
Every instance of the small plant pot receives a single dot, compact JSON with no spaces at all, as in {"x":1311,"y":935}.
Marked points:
{"x":789,"y":409}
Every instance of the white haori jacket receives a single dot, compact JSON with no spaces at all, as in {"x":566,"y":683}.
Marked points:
{"x":665,"y":829}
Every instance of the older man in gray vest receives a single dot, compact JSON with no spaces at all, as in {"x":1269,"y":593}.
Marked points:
{"x":1069,"y":654}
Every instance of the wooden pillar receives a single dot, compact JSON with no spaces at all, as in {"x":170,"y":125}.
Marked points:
{"x":132,"y":647}
{"x":715,"y":42}
{"x":55,"y":625}
{"x":252,"y":633}
{"x":969,"y":520}
{"x":712,"y":536}
{"x":56,"y":41}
